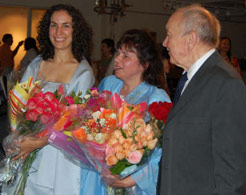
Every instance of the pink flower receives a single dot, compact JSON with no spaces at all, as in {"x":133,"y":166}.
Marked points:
{"x":134,"y":157}
{"x":61,"y":90}
{"x":32,"y":115}
{"x":94,"y":91}
{"x":69,"y":100}
{"x":110,"y":151}
{"x":92,"y":102}
{"x":73,"y":110}
{"x":32,"y":103}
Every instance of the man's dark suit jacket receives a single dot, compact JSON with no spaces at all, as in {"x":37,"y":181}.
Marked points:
{"x":204,"y":141}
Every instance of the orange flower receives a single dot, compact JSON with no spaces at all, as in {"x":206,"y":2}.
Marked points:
{"x":112,"y":141}
{"x":127,"y":143}
{"x":133,"y":147}
{"x":106,"y":113}
{"x":111,"y":160}
{"x":80,"y":134}
{"x":110,"y":122}
{"x":151,"y":144}
{"x":118,"y":147}
{"x":140,"y":125}
{"x":120,"y":155}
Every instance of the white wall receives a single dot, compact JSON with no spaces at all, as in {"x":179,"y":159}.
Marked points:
{"x":156,"y":23}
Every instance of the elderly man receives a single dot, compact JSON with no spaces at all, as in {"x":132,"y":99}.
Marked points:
{"x":204,"y":142}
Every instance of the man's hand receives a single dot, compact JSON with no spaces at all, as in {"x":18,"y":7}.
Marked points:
{"x":20,"y":43}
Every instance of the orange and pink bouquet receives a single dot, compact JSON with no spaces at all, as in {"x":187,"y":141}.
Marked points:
{"x":97,"y":125}
{"x":116,"y":137}
{"x":130,"y":146}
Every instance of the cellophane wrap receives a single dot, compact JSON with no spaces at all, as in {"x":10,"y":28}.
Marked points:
{"x":31,"y":112}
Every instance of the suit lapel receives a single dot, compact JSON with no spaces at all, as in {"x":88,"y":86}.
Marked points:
{"x":195,"y":85}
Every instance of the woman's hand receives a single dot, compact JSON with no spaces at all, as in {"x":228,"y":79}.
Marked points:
{"x":114,"y":181}
{"x":28,"y":144}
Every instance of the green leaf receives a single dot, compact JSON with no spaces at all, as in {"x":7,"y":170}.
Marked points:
{"x":79,"y":93}
{"x":119,"y":167}
{"x":123,"y":133}
{"x":73,"y":94}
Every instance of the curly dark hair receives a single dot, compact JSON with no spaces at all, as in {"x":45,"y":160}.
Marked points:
{"x":82,"y":33}
{"x":142,"y":43}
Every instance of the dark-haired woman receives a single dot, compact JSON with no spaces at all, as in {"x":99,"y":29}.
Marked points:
{"x":64,"y":39}
{"x":138,"y":69}
{"x":225,"y":51}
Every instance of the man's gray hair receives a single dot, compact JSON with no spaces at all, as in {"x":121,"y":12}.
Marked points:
{"x":204,"y":23}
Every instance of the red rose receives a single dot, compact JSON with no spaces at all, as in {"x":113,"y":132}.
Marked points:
{"x":49,"y":96}
{"x":152,"y":108}
{"x":106,"y":94}
{"x":32,"y":103}
{"x":160,"y":110}
{"x":32,"y":115}
{"x":39,"y":96}
{"x":101,"y":102}
{"x":51,"y":108}
{"x":45,"y":117}
{"x":40,"y":108}
{"x":55,"y":102}
{"x":69,"y":100}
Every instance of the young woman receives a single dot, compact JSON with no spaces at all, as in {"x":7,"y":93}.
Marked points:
{"x":64,"y":38}
{"x":225,"y":51}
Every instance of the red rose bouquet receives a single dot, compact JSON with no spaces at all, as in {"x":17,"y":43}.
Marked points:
{"x":158,"y":112}
{"x":31,"y":113}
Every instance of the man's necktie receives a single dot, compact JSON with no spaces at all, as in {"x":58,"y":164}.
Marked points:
{"x":180,"y":87}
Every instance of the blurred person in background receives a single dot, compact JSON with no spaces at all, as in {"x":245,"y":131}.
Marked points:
{"x":7,"y":56}
{"x":224,"y":49}
{"x":31,"y":52}
{"x":107,"y":53}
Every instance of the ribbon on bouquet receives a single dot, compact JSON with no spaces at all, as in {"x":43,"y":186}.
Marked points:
{"x":18,"y":98}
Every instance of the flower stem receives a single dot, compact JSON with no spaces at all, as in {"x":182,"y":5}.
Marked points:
{"x":19,"y":190}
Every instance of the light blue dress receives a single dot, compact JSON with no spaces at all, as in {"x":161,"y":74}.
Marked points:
{"x":146,"y":178}
{"x":52,"y":173}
